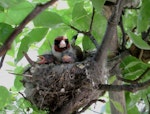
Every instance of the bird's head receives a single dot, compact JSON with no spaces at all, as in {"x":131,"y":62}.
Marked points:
{"x":61,"y":44}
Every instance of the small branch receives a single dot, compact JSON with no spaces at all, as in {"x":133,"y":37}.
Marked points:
{"x":79,"y":31}
{"x":94,"y":41}
{"x":89,"y":104}
{"x":28,"y":59}
{"x":38,"y":9}
{"x":136,"y":80}
{"x":92,"y":18}
{"x":26,"y":75}
{"x":123,"y":34}
{"x":87,"y":34}
{"x":22,"y":95}
{"x":2,"y":60}
{"x":141,"y":54}
{"x":125,"y":87}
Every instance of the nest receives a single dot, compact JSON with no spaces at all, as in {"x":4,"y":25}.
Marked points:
{"x":59,"y":88}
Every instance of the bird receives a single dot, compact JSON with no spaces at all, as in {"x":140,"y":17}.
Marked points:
{"x":62,"y":52}
{"x":46,"y":59}
{"x":65,"y":52}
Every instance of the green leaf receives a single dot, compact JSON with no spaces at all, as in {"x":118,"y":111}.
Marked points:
{"x":72,"y":3}
{"x":111,"y":79}
{"x":137,"y":40}
{"x":35,"y":35}
{"x":143,"y":22}
{"x":23,"y":103}
{"x":5,"y":31}
{"x":130,"y":19}
{"x":99,"y":26}
{"x":17,"y":13}
{"x":1,"y":9}
{"x":133,"y":110}
{"x":117,"y":105}
{"x":17,"y":83}
{"x":132,"y":67}
{"x":4,"y":96}
{"x":87,"y":43}
{"x":9,"y":3}
{"x":80,"y":18}
{"x":134,"y":99}
{"x":48,"y":19}
{"x":98,"y":4}
{"x":78,"y":11}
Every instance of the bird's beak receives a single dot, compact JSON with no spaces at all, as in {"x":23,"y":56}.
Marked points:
{"x":62,"y":44}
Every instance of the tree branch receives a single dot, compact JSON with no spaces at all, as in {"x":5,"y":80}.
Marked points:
{"x":92,"y":18}
{"x":89,"y":34}
{"x":2,"y":60}
{"x":28,"y":59}
{"x":101,"y":54}
{"x":125,"y":87}
{"x":89,"y":104}
{"x":123,"y":34}
{"x":38,"y":9}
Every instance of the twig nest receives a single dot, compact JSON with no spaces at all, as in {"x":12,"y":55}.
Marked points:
{"x":51,"y":87}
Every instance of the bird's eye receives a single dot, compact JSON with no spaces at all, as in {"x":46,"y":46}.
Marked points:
{"x":57,"y":42}
{"x":66,"y":40}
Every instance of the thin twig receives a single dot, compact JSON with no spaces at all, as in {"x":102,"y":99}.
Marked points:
{"x":28,"y":59}
{"x":123,"y":34}
{"x":125,"y":87}
{"x":89,"y":104}
{"x":38,"y":9}
{"x":135,"y":80}
{"x":2,"y":60}
{"x":79,"y":31}
{"x":92,"y":18}
{"x":22,"y":95}
{"x":26,"y":75}
{"x":87,"y":34}
{"x":141,"y":54}
{"x":94,"y":41}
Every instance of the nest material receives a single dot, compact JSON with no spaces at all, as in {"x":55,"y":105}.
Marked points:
{"x":58,"y":88}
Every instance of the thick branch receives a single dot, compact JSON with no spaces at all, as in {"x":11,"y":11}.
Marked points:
{"x":38,"y":9}
{"x":101,"y":54}
{"x":125,"y":87}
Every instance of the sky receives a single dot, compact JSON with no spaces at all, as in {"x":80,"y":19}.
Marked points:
{"x":6,"y":79}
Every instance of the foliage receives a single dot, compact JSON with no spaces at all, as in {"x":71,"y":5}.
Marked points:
{"x":55,"y":21}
